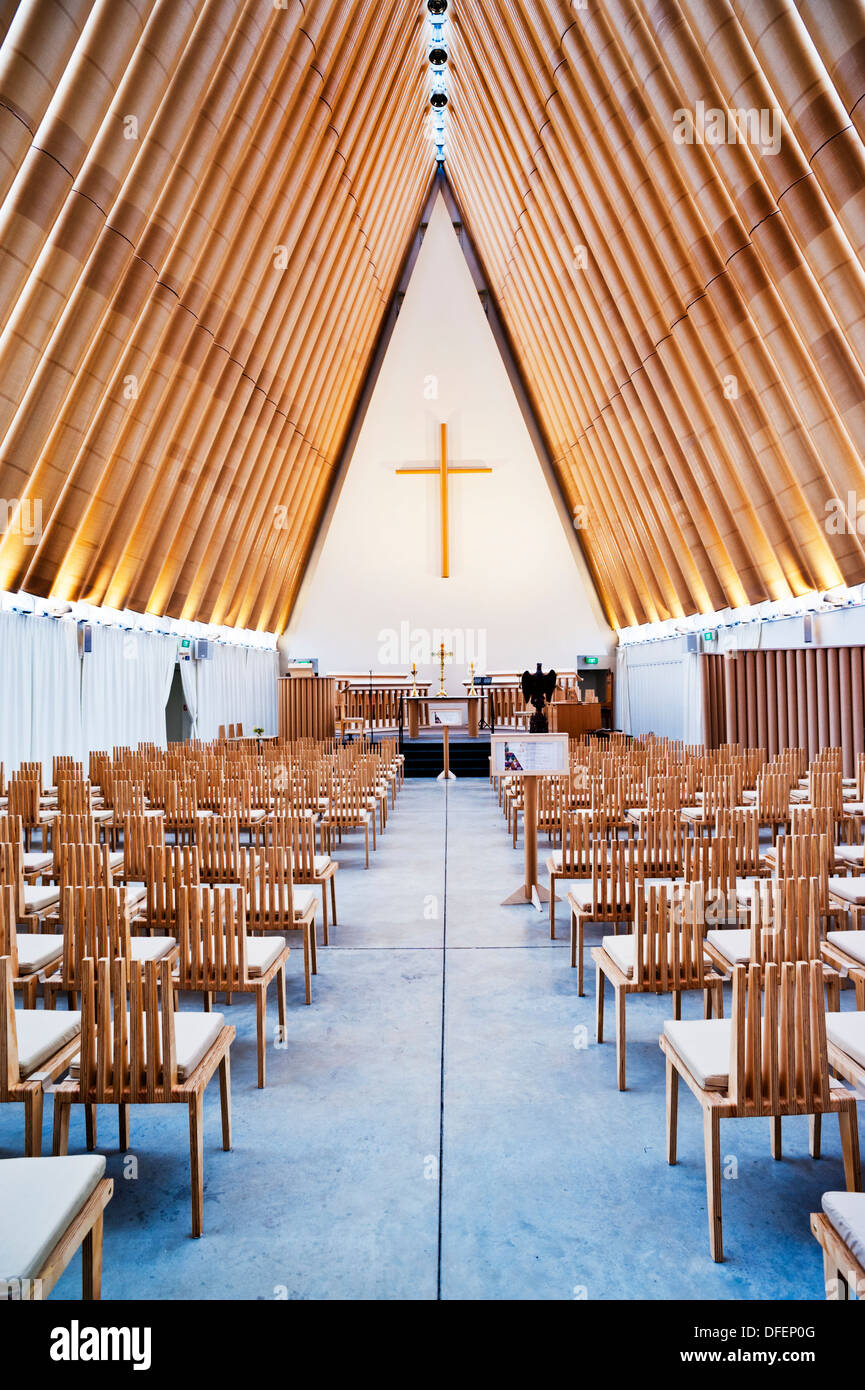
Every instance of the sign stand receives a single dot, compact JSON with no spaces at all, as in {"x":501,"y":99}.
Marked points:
{"x":550,"y":754}
{"x":446,"y":775}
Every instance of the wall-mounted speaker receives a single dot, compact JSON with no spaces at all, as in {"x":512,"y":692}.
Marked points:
{"x":692,"y":642}
{"x":807,"y":627}
{"x":201,"y":649}
{"x":85,"y":639}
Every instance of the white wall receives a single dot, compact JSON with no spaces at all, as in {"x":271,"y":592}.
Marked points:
{"x":517,"y":580}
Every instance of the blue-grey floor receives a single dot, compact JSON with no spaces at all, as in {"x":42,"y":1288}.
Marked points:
{"x":382,"y":1163}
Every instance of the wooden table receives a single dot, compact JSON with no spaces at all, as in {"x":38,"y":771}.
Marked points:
{"x":471,"y":703}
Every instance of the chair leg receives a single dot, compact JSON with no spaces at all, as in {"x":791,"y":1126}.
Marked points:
{"x":280,"y":999}
{"x":62,"y":1110}
{"x":324,"y":913}
{"x":196,"y":1161}
{"x":91,"y":1263}
{"x":573,"y":939}
{"x":815,"y":1132}
{"x":90,"y":1125}
{"x":33,"y":1099}
{"x":307,"y":971}
{"x":552,"y":907}
{"x":123,"y":1125}
{"x":712,"y":1144}
{"x":672,"y":1110}
{"x":837,"y":1288}
{"x":313,"y":942}
{"x":580,"y":963}
{"x":333,"y":897}
{"x":621,"y":1045}
{"x":366,"y":845}
{"x":707,"y":1003}
{"x":776,"y":1136}
{"x":850,"y":1148}
{"x":225,"y":1099}
{"x":600,"y":981}
{"x":261,"y":1024}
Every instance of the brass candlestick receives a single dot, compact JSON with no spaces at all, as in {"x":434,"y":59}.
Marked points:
{"x":442,"y":655}
{"x":413,"y":690}
{"x":472,"y":690}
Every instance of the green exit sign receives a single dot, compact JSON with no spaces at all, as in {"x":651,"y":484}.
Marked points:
{"x":708,"y":636}
{"x":591,"y":660}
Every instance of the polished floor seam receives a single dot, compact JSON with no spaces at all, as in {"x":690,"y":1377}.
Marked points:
{"x":442,"y":1065}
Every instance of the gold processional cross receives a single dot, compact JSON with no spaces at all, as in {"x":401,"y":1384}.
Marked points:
{"x":444,"y":470}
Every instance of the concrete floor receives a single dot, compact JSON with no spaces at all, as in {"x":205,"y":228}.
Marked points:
{"x":442,"y":1123}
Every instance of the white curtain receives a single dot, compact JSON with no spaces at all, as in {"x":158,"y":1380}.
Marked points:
{"x":16,"y":706}
{"x":692,"y":698}
{"x":660,"y":691}
{"x":40,"y":710}
{"x":262,"y":671}
{"x":56,"y":691}
{"x":622,"y":719}
{"x":124,"y":688}
{"x":236,"y":685}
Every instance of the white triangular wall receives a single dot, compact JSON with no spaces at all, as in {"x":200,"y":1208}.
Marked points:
{"x":519,"y":590}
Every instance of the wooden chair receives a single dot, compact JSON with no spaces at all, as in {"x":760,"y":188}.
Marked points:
{"x":663,"y":955}
{"x":35,"y":1047}
{"x":169,"y":868}
{"x":297,"y":835}
{"x":32,"y":953}
{"x":97,"y":924}
{"x":273,"y":904}
{"x":221,"y":853}
{"x":140,"y":833}
{"x":751,"y":1066}
{"x":580,"y":832}
{"x":146,"y":1056}
{"x":348,"y":811}
{"x":840,"y":1231}
{"x":33,"y":903}
{"x":608,"y":896}
{"x":35,"y":864}
{"x":50,"y":1208}
{"x":216,"y":956}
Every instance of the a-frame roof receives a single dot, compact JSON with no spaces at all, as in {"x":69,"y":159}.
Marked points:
{"x":205,"y":207}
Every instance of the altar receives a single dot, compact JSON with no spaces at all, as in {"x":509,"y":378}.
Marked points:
{"x":444,"y":711}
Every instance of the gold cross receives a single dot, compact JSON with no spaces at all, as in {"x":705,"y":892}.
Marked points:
{"x":444,"y":471}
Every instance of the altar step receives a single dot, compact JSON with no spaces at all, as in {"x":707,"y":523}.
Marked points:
{"x":468,"y":759}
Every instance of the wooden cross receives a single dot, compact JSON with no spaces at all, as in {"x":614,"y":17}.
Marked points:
{"x":444,"y":470}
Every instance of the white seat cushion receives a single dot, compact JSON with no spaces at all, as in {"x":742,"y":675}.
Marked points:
{"x":847,"y":1032}
{"x":846,"y":1211}
{"x":692,"y":812}
{"x":39,"y":1198}
{"x":850,"y":854}
{"x":850,"y":890}
{"x":41,"y":1033}
{"x":302,"y":898}
{"x":745,"y":889}
{"x":36,"y":951}
{"x":733,"y":944}
{"x":621,"y":950}
{"x":851,"y":942}
{"x":320,"y":863}
{"x":194,"y":1035}
{"x":150,"y":947}
{"x":101,"y":816}
{"x":261,"y":952}
{"x":704,"y":1047}
{"x":580,"y":894}
{"x":34,"y":862}
{"x":40,"y":899}
{"x":115,"y":859}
